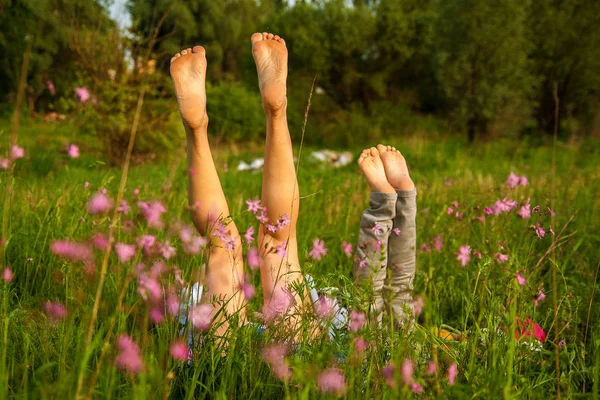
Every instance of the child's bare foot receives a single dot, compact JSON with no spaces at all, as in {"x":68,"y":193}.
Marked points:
{"x":371,"y":166}
{"x":188,"y":71}
{"x":271,"y":56}
{"x":395,"y":167}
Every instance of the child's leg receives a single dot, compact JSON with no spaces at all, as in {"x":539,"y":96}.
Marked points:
{"x":375,"y":228}
{"x":205,"y":195}
{"x":280,"y":270}
{"x":401,"y":251}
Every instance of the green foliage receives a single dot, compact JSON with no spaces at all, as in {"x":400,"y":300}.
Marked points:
{"x":481,"y":56}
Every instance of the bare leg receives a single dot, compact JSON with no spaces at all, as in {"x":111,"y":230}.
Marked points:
{"x":280,"y":193}
{"x":205,"y":195}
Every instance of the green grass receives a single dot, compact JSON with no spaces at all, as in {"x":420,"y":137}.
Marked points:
{"x":43,"y":359}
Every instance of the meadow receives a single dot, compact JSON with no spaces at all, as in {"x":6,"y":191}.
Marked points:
{"x":520,"y":308}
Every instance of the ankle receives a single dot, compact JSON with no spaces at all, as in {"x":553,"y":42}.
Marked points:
{"x":274,"y":111}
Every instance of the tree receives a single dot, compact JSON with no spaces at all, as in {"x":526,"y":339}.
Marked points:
{"x":481,"y":58}
{"x":566,"y":54}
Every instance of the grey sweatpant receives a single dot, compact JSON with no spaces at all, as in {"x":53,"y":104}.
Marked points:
{"x":387,"y":241}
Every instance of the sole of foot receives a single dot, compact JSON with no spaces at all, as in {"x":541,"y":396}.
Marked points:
{"x":371,"y":166}
{"x":395,"y":168}
{"x":271,"y":58}
{"x":188,"y":72}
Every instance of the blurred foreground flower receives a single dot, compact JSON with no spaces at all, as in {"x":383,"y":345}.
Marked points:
{"x":55,"y":310}
{"x":274,"y":354}
{"x":332,"y":381}
{"x":452,"y":374}
{"x":526,"y":328}
{"x":72,"y":250}
{"x":179,"y":350}
{"x":129,"y":358}
{"x":464,"y":255}
{"x":99,"y":204}
{"x":318,"y":249}
{"x":357,"y":321}
{"x":16,"y":152}
{"x":7,"y":275}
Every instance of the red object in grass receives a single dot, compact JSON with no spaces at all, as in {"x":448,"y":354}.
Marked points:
{"x":527,"y":328}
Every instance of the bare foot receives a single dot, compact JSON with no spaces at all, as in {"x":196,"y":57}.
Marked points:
{"x":371,"y":166}
{"x":395,"y":167}
{"x":271,"y":57}
{"x":188,"y":72}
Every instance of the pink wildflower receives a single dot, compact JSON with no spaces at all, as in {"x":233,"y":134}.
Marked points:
{"x":523,"y":181}
{"x":347,"y":248}
{"x":550,"y":212}
{"x":262,"y":217}
{"x":541,"y":296}
{"x":525,"y":211}
{"x":194,"y":245}
{"x":253,"y":258}
{"x":364,"y":263}
{"x":249,"y":235}
{"x":464,"y":255}
{"x":100,"y":241}
{"x":124,"y":207}
{"x":437,"y":243}
{"x":551,"y":230}
{"x":425,"y":248}
{"x":526,"y":328}
{"x":83,"y":94}
{"x":86,"y":184}
{"x":149,"y":287}
{"x":172,"y":303}
{"x":318,"y":249}
{"x":157,"y":316}
{"x":281,"y":249}
{"x":360,"y":345}
{"x":416,"y":388}
{"x":521,"y":279}
{"x":408,"y":369}
{"x":431,"y":368}
{"x":325,"y":307}
{"x":418,"y":305}
{"x":201,"y":316}
{"x":481,"y":218}
{"x":377,"y":229}
{"x":153,"y":212}
{"x":388,"y":374}
{"x":179,"y":350}
{"x":99,"y":204}
{"x":129,"y":358}
{"x":271,"y":228}
{"x":452,"y":374}
{"x":73,"y":151}
{"x":4,"y":163}
{"x":279,"y":304}
{"x":51,"y":87}
{"x":136,"y":192}
{"x":124,"y":251}
{"x":512,"y":181}
{"x":539,"y":231}
{"x":274,"y":355}
{"x":230,"y":243}
{"x":55,"y":310}
{"x":501,"y":258}
{"x":283,"y":221}
{"x":253,"y":206}
{"x":488,"y":210}
{"x":7,"y":275}
{"x":248,"y":290}
{"x":71,"y":250}
{"x":16,"y":152}
{"x":562,"y":343}
{"x":396,"y":231}
{"x":332,"y":381}
{"x":146,"y":242}
{"x":357,"y":321}
{"x":449,"y":211}
{"x":167,"y":251}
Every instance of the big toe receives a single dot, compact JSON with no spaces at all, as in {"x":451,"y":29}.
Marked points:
{"x":199,"y":49}
{"x":374,"y":152}
{"x":257,"y":37}
{"x":382,"y":148}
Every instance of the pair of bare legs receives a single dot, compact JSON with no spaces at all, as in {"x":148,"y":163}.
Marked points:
{"x":280,"y":193}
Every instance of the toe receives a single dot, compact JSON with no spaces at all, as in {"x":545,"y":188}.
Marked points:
{"x":381,"y":148}
{"x":184,"y":52}
{"x":374,"y":151}
{"x":173,"y":59}
{"x":256,"y":37}
{"x":198,"y":49}
{"x":270,"y":36}
{"x":264,"y":35}
{"x":276,"y":37}
{"x":177,"y":55}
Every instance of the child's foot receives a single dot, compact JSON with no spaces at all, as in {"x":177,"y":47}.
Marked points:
{"x":188,"y":71}
{"x":395,"y":167}
{"x":371,"y":166}
{"x":271,"y":56}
